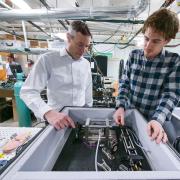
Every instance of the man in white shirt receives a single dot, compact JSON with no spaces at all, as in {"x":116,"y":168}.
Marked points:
{"x":67,"y":76}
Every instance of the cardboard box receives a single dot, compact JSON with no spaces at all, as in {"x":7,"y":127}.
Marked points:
{"x":34,"y":44}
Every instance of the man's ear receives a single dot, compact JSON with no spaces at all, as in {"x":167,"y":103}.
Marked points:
{"x":167,"y":41}
{"x":68,"y":37}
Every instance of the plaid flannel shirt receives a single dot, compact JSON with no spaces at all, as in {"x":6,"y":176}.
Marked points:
{"x":151,"y":86}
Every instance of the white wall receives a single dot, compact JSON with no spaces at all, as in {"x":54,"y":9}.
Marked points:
{"x":118,"y":54}
{"x":174,"y":49}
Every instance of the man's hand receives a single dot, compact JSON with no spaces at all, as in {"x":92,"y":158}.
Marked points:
{"x":59,"y":120}
{"x":119,"y":116}
{"x":156,"y":132}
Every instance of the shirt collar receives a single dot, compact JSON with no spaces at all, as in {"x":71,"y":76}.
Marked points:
{"x":161,"y":55}
{"x":63,"y":52}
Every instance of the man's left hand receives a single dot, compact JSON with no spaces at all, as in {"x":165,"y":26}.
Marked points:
{"x":156,"y":132}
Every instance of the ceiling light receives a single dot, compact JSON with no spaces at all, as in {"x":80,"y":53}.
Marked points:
{"x":61,"y":36}
{"x":21,"y":4}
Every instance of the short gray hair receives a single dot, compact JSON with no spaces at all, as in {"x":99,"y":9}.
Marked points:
{"x":79,"y":26}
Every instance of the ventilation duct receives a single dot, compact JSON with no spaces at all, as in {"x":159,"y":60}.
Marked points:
{"x":75,"y":13}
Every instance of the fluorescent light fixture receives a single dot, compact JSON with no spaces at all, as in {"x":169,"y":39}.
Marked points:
{"x":61,"y":36}
{"x":39,"y":23}
{"x":21,"y":4}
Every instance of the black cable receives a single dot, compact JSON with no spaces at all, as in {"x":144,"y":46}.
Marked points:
{"x":121,"y":68}
{"x":40,"y":123}
{"x":176,"y":144}
{"x":98,"y":69}
{"x":167,"y":3}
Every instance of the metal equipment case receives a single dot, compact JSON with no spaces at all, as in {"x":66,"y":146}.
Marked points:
{"x":38,"y":159}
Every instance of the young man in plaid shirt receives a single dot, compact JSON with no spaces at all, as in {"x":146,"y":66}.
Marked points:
{"x":151,"y":80}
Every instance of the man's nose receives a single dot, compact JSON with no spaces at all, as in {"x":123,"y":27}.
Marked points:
{"x":148,"y":44}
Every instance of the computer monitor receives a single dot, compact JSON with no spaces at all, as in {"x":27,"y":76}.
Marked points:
{"x":98,"y":62}
{"x":15,"y":68}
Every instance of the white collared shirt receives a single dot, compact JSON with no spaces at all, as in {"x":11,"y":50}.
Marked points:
{"x":68,"y":82}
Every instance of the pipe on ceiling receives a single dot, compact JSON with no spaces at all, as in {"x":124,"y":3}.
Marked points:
{"x":48,"y":7}
{"x":10,"y":8}
{"x":75,"y":13}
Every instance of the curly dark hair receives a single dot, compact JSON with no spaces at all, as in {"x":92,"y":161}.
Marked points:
{"x":164,"y":21}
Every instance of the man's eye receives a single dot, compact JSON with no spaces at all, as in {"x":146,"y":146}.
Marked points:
{"x":156,"y":42}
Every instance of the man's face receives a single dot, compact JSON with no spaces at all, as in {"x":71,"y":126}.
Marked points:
{"x":10,"y":59}
{"x":153,"y":43}
{"x":78,"y":44}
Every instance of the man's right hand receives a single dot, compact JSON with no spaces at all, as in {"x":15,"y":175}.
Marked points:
{"x":59,"y":120}
{"x":119,"y":116}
